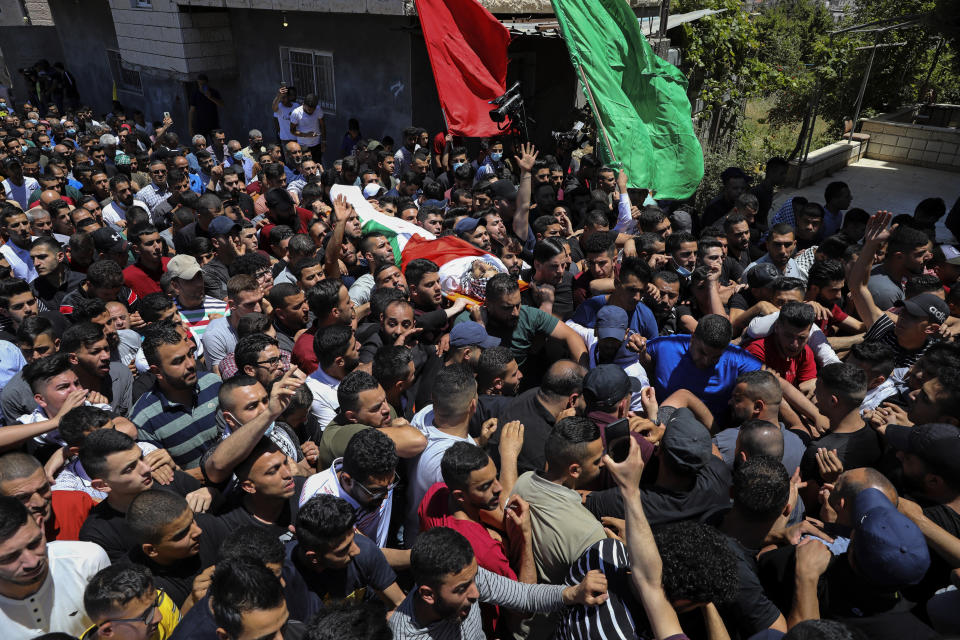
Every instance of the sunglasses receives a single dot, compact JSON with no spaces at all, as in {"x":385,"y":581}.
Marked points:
{"x":145,"y":618}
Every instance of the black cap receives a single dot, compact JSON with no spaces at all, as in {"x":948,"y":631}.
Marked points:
{"x":936,"y":443}
{"x":762,"y":274}
{"x":503,"y":190}
{"x":607,"y":385}
{"x":927,"y":306}
{"x":686,"y":441}
{"x":106,"y":240}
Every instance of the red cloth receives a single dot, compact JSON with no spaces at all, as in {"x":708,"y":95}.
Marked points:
{"x":837,"y":316}
{"x":70,"y":509}
{"x":303,"y":354}
{"x":793,"y":370}
{"x":141,"y":282}
{"x":468,"y":53}
{"x":440,"y":251}
{"x":306,"y":217}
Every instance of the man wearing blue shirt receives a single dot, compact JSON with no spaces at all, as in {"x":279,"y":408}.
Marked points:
{"x":705,"y":363}
{"x":630,"y":285}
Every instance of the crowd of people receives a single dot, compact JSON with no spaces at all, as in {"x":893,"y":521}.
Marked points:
{"x":234,"y":411}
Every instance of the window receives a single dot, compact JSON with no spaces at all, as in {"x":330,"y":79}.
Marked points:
{"x":310,"y":72}
{"x":125,"y":78}
{"x":141,"y":4}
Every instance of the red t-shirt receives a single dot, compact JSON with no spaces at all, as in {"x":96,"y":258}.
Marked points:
{"x":70,"y":509}
{"x":489,"y":552}
{"x":140,"y":281}
{"x":793,"y":370}
{"x":303,"y":354}
{"x":837,"y":316}
{"x":305,"y":218}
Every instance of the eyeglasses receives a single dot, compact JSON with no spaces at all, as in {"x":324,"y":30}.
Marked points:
{"x":375,"y":495}
{"x":158,"y":172}
{"x":269,"y":362}
{"x":262,"y":274}
{"x":146,"y":618}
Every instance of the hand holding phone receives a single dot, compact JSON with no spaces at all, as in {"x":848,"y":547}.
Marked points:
{"x":618,"y":439}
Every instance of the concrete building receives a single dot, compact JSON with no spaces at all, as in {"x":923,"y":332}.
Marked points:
{"x":365,"y":59}
{"x":27,"y":34}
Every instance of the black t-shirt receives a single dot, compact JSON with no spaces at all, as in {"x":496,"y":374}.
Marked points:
{"x":663,"y":506}
{"x":563,"y":306}
{"x":177,"y":579}
{"x":858,"y":449}
{"x":237,"y":516}
{"x":880,"y":613}
{"x":207,"y":115}
{"x":307,"y":590}
{"x":108,"y":527}
{"x":938,"y":575}
{"x":537,"y":424}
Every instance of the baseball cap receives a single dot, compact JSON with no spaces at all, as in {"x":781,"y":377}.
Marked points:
{"x":611,"y":322}
{"x":925,"y":305}
{"x":936,"y":443}
{"x":686,"y":442}
{"x":222,"y":226}
{"x":373,"y":145}
{"x":183,"y":266}
{"x":762,"y":275}
{"x":503,"y":190}
{"x":372,"y":190}
{"x":950,"y":254}
{"x":106,"y":240}
{"x":440,"y":204}
{"x":887,"y":547}
{"x":466,"y":225}
{"x":607,"y":384}
{"x":279,"y":199}
{"x":469,"y":334}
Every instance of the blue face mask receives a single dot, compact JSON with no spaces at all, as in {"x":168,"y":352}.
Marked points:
{"x":34,"y":121}
{"x":238,"y":156}
{"x":496,"y":157}
{"x":71,"y":132}
{"x":457,"y":165}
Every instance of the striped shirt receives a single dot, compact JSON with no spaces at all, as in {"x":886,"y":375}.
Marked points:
{"x":198,"y":319}
{"x":186,"y":432}
{"x":883,"y":330}
{"x":494,"y":589}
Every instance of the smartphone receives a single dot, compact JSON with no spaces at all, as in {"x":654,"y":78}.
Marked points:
{"x":618,"y":439}
{"x":166,"y":114}
{"x":283,"y":85}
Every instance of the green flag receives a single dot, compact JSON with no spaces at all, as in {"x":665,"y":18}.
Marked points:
{"x":639,"y":100}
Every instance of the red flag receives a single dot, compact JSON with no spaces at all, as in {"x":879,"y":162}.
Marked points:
{"x":468,"y":53}
{"x":440,"y":251}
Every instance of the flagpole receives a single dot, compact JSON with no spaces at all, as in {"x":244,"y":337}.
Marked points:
{"x":596,"y":112}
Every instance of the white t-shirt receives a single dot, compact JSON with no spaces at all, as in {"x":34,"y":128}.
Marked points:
{"x":58,"y":605}
{"x":325,"y":403}
{"x":307,"y":122}
{"x":22,"y":193}
{"x":282,"y":114}
{"x":113,"y":213}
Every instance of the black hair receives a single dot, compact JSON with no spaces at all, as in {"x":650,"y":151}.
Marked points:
{"x":905,"y":239}
{"x":761,"y":488}
{"x":453,"y":388}
{"x":650,"y":219}
{"x":698,"y":564}
{"x":88,"y":308}
{"x":157,"y":335}
{"x":105,"y":274}
{"x":350,"y":388}
{"x":417,"y":269}
{"x":383,"y":297}
{"x":846,"y":381}
{"x":493,"y":364}
{"x":323,"y":297}
{"x":13,"y":515}
{"x":922,"y":283}
{"x":153,"y":305}
{"x":634,"y":267}
{"x":824,"y":272}
{"x":500,"y":286}
{"x":437,"y":553}
{"x":115,"y":586}
{"x":323,"y":521}
{"x":239,"y":585}
{"x":75,"y":423}
{"x":350,"y":620}
{"x":459,"y":461}
{"x":153,"y":511}
{"x":561,"y":380}
{"x":252,"y":323}
{"x":881,"y":357}
{"x":100,"y":444}
{"x":332,"y":342}
{"x":83,"y":334}
{"x":37,"y":373}
{"x":32,"y":327}
{"x":248,"y":349}
{"x":797,"y":314}
{"x":674,"y":240}
{"x":248,"y":263}
{"x":781,"y":229}
{"x":567,"y":442}
{"x":369,"y":453}
{"x":714,"y":331}
{"x":253,"y":542}
{"x":668,"y":276}
{"x":391,"y":365}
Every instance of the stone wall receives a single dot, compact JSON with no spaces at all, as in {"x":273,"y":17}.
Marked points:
{"x":922,"y":145}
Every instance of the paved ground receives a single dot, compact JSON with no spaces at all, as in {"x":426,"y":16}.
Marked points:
{"x":885,"y":185}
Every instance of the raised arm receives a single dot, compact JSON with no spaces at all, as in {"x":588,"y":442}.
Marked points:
{"x":331,"y":258}
{"x":235,"y":448}
{"x":575,"y":344}
{"x":646,"y":566}
{"x":521,"y":216}
{"x":624,"y":215}
{"x":875,"y":235}
{"x":409,"y":440}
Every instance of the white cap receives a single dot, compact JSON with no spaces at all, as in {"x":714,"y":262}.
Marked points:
{"x":372,"y":190}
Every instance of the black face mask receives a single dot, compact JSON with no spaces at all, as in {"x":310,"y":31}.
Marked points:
{"x":5,"y":273}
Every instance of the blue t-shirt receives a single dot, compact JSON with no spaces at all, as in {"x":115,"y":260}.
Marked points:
{"x":641,"y":320}
{"x":673,"y":369}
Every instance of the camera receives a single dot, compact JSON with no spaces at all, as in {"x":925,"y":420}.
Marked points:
{"x":508,"y":105}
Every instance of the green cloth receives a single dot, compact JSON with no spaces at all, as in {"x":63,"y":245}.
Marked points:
{"x":523,"y":338}
{"x":639,"y":98}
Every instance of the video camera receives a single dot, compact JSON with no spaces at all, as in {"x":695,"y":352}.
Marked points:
{"x":508,"y":105}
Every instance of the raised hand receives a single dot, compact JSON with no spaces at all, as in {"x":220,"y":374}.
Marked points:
{"x":527,"y":158}
{"x":877,"y":232}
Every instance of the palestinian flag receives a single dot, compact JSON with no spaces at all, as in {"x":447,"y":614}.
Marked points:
{"x":398,"y":232}
{"x":457,"y":260}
